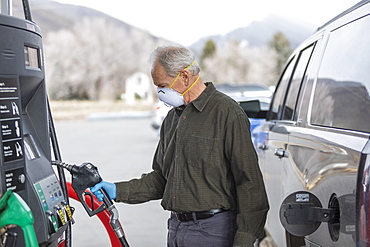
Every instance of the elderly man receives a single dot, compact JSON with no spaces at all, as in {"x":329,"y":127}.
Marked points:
{"x":205,"y":168}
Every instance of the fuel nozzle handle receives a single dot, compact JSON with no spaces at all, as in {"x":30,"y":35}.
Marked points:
{"x":85,"y":176}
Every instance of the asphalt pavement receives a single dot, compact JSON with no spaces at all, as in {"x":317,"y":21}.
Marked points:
{"x":122,"y":149}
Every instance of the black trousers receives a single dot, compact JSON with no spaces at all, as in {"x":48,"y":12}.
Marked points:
{"x":217,"y":231}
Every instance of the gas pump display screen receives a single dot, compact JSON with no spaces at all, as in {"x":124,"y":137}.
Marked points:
{"x":32,"y":58}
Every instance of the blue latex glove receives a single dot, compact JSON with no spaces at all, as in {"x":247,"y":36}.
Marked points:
{"x":110,"y":188}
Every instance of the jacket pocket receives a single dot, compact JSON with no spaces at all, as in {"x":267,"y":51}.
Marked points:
{"x":204,"y":152}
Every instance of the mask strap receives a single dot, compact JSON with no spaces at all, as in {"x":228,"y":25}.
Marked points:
{"x":175,"y":80}
{"x":180,"y":73}
{"x":190,"y":65}
{"x":190,"y":86}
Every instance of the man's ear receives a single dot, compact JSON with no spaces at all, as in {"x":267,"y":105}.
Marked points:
{"x":185,"y":76}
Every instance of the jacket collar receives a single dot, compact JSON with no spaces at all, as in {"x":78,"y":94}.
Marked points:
{"x":201,"y":102}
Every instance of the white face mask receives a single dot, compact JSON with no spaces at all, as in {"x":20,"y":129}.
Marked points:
{"x":170,"y":96}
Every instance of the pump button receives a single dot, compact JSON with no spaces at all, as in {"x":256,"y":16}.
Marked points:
{"x":22,"y":178}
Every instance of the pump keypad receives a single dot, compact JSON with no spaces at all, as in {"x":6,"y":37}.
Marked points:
{"x":56,"y":209}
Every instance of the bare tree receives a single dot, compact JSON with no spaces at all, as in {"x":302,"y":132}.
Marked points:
{"x":237,"y":63}
{"x":93,"y":59}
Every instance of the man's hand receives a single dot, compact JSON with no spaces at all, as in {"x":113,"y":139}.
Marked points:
{"x":110,"y":188}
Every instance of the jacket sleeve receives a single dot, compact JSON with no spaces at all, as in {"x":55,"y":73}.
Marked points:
{"x":149,"y":187}
{"x":251,"y":196}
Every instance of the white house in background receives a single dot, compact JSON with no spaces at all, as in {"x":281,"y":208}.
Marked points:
{"x":139,"y":84}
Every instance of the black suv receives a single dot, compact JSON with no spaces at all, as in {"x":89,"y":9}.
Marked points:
{"x":314,"y":148}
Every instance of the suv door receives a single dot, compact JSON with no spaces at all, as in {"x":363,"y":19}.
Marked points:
{"x":274,"y":158}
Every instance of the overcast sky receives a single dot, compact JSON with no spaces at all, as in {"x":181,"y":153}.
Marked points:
{"x":187,"y":21}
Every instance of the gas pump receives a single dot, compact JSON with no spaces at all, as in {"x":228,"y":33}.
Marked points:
{"x":25,"y":150}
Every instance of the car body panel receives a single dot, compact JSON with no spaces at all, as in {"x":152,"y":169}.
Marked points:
{"x":326,"y":164}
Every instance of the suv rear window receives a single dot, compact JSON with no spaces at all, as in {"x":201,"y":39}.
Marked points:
{"x":341,"y":98}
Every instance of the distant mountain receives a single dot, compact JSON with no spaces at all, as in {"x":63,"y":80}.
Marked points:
{"x":259,"y":33}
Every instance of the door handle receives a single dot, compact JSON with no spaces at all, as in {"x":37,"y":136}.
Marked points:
{"x":262,"y":146}
{"x":281,"y":153}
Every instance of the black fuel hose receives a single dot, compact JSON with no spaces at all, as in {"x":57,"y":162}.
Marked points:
{"x":61,"y":174}
{"x":124,"y":242}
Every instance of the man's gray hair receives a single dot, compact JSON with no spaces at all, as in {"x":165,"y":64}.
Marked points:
{"x":174,"y":59}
